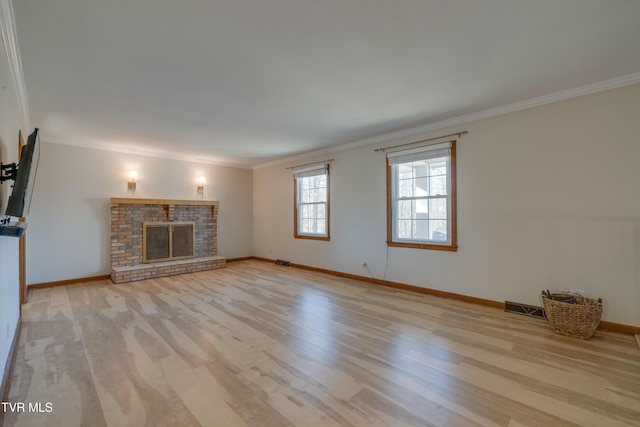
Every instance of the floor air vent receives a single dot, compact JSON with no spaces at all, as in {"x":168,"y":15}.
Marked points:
{"x":283,"y":262}
{"x":527,"y":310}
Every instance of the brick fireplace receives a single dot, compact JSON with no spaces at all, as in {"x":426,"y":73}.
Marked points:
{"x":128,"y":217}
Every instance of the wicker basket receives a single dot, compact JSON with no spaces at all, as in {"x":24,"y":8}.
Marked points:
{"x":574,"y":320}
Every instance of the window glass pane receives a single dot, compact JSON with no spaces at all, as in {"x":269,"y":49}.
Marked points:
{"x":405,"y":209}
{"x":322,"y":195}
{"x":421,"y":169}
{"x":422,"y":186}
{"x":320,"y":211}
{"x":421,"y":229}
{"x":303,"y":183}
{"x":404,"y":229}
{"x":438,"y":185}
{"x":405,"y":188}
{"x":438,"y":208}
{"x":438,"y":166}
{"x":438,"y":230}
{"x":422,"y":207}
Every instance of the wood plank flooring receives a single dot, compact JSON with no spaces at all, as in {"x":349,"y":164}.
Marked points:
{"x":261,"y":345}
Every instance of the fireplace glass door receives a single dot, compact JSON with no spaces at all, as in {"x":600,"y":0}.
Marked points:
{"x":163,"y":241}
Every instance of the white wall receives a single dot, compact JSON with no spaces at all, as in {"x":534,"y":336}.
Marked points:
{"x":9,"y":277}
{"x":69,"y":219}
{"x":547,"y":198}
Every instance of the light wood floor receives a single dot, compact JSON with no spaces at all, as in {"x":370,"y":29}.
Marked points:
{"x":262,"y":345}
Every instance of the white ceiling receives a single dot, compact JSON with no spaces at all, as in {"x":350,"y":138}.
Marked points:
{"x":247,"y":82}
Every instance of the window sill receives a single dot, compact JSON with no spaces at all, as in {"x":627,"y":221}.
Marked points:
{"x":308,"y":237}
{"x":448,"y":248}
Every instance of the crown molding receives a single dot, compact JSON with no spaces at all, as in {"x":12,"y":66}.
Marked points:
{"x":10,"y":42}
{"x":589,"y":89}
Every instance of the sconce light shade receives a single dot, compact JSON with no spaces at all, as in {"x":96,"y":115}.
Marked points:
{"x":201,"y":182}
{"x":133,"y":175}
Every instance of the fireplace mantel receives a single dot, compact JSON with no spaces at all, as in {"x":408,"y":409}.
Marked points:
{"x":134,"y":201}
{"x":127,"y":218}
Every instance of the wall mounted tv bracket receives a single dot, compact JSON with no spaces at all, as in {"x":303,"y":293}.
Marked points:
{"x":8,"y":171}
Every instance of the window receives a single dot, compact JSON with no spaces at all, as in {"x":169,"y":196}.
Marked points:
{"x":421,"y":197}
{"x":311,"y":202}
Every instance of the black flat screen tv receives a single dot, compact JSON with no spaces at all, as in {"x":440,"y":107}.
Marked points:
{"x":20,"y":199}
{"x":23,"y":174}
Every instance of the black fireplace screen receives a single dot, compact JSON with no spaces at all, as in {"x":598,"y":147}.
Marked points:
{"x":164,"y":241}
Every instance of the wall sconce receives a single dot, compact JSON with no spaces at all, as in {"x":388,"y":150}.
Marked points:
{"x":133,"y":175}
{"x":201,"y":182}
